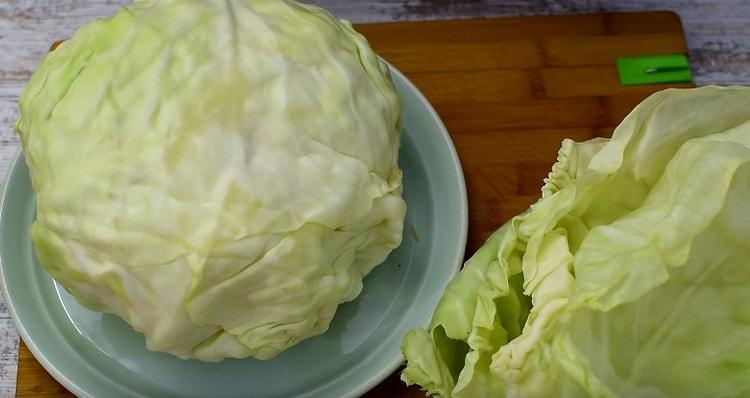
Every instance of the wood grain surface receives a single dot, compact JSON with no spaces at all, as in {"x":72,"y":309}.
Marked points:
{"x":508,"y":90}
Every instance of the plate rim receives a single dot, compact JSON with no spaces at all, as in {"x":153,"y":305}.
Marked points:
{"x":362,"y":387}
{"x":464,"y":217}
{"x":9,"y":304}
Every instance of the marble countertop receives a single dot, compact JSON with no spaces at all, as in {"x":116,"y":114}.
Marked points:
{"x":718,"y":37}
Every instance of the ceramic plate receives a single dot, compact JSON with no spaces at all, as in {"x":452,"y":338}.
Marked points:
{"x":94,"y":354}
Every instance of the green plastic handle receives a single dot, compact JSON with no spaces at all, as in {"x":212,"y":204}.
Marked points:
{"x":654,"y":69}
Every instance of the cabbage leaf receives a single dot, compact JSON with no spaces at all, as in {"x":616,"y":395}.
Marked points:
{"x":629,"y":277}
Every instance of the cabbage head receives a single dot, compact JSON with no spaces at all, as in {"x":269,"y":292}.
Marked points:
{"x":629,"y":277}
{"x":220,"y":174}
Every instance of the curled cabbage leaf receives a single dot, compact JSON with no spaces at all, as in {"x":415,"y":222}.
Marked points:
{"x":629,"y":277}
{"x":220,"y":174}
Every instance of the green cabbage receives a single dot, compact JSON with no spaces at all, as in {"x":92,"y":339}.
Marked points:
{"x":220,"y":174}
{"x":629,"y":277}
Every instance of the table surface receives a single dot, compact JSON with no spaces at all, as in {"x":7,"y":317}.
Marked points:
{"x":718,"y":37}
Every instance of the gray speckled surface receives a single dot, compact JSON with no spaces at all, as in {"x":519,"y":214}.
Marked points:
{"x":718,"y":36}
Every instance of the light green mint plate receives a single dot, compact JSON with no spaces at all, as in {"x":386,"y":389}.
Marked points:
{"x":99,"y":355}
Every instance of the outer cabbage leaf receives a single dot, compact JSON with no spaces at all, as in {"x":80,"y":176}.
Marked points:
{"x":220,"y":174}
{"x":636,"y":262}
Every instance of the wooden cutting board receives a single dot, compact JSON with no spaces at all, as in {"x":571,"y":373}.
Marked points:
{"x":509,"y":90}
